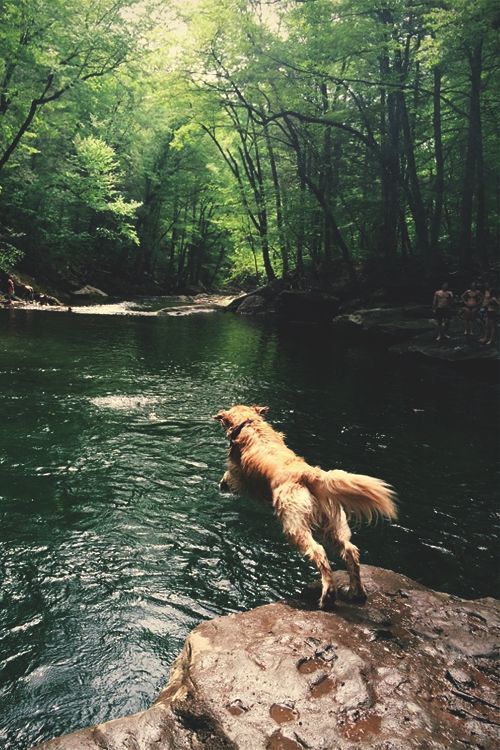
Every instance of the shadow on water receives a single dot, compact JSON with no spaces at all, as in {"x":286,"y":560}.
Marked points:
{"x":114,"y":539}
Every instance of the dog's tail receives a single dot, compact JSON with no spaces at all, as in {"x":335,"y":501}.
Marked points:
{"x":361,"y":496}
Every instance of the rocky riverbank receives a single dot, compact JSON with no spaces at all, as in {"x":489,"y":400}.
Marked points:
{"x":413,"y":668}
{"x":407,"y":329}
{"x":404,"y":330}
{"x":412,"y":330}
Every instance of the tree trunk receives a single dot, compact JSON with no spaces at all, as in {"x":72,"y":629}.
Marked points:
{"x":278,"y":202}
{"x":439,"y":159}
{"x":390,"y":174}
{"x":473,"y":148}
{"x":414,"y":193}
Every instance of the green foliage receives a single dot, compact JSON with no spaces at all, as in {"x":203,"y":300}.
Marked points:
{"x":192,"y":144}
{"x":9,"y":256}
{"x":92,"y":179}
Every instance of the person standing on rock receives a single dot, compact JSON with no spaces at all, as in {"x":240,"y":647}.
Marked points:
{"x":472,"y":301}
{"x":441,"y":306}
{"x":11,"y":292}
{"x":491,"y":304}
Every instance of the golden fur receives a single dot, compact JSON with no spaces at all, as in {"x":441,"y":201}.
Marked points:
{"x":304,"y":497}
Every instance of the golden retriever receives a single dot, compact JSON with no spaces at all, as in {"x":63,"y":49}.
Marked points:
{"x":304,"y":497}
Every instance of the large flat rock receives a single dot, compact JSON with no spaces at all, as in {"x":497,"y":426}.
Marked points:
{"x":456,"y":348}
{"x":394,"y":323}
{"x":412,"y":668}
{"x":410,"y":330}
{"x":89,"y":291}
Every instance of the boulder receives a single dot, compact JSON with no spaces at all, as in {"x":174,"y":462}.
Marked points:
{"x":396,"y":323}
{"x":47,"y":299}
{"x":457,"y":348}
{"x":410,"y":330}
{"x":201,"y":303}
{"x":89,"y":291}
{"x":312,"y":305}
{"x":258,"y":301}
{"x":412,"y":668}
{"x":253,"y":304}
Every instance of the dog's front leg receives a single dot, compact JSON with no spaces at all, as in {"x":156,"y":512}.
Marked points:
{"x":224,"y":484}
{"x":232,"y":481}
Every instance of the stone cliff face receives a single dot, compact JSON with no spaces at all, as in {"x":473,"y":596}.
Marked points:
{"x":412,"y":668}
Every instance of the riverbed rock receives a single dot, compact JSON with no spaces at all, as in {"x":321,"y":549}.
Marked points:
{"x":47,"y":299}
{"x":394,"y":323}
{"x":88,"y":292}
{"x":183,"y":305}
{"x":409,"y":330}
{"x":456,"y":348}
{"x":290,"y":304}
{"x":260,"y":300}
{"x":413,"y":668}
{"x":253,"y":304}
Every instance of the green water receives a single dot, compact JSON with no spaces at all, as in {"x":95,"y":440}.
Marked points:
{"x":114,"y":538}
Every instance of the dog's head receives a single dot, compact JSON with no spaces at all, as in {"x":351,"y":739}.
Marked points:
{"x":236,"y":415}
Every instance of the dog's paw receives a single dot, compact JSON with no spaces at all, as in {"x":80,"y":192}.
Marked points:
{"x":328,"y":599}
{"x":353,"y":597}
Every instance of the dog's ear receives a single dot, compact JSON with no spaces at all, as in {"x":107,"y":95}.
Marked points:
{"x":261,"y":410}
{"x":219,"y":416}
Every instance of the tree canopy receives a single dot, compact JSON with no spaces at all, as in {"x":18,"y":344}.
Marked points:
{"x":194,"y":144}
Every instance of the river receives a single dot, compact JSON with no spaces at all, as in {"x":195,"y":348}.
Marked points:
{"x":114,"y":539}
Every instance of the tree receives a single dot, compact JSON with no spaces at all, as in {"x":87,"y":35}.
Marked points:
{"x":245,"y":141}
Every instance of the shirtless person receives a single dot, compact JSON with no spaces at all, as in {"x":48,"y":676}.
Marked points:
{"x":492,"y":305}
{"x":441,"y":306}
{"x":11,"y":291}
{"x":472,"y":300}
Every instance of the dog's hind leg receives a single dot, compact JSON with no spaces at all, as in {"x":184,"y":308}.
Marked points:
{"x":350,"y":554}
{"x":294,"y":506}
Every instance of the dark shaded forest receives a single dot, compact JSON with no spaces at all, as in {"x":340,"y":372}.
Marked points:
{"x":164,"y":146}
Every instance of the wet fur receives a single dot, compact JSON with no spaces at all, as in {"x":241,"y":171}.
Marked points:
{"x":304,"y":497}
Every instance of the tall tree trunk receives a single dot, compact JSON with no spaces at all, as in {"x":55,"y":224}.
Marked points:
{"x":473,"y":148}
{"x":278,"y":203}
{"x":413,"y":191}
{"x":305,"y":180}
{"x":415,"y":200}
{"x":390,"y":175}
{"x":253,"y":173}
{"x":326,"y":173}
{"x":439,"y":159}
{"x":260,"y":199}
{"x":481,"y":205}
{"x":334,"y":228}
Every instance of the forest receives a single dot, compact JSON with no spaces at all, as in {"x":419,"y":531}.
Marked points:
{"x":201,"y":144}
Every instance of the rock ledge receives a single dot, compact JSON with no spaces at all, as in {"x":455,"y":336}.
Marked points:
{"x":412,"y":668}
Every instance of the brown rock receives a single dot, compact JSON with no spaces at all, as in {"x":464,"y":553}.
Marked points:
{"x":89,"y":291}
{"x":253,"y":304}
{"x":412,"y":668}
{"x":389,"y":323}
